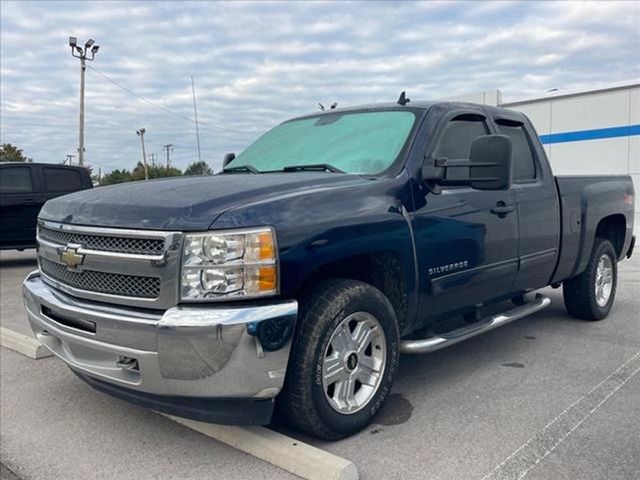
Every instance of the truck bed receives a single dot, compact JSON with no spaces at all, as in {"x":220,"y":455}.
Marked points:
{"x":585,"y":202}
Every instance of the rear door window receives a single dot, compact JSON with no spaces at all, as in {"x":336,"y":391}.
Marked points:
{"x":15,"y":180}
{"x":61,"y":179}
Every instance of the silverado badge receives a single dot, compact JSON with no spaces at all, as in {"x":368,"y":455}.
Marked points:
{"x":71,"y":257}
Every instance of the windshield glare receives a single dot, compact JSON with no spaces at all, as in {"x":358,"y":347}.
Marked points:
{"x":358,"y":143}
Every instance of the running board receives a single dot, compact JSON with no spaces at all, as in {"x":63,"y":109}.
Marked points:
{"x":431,"y":344}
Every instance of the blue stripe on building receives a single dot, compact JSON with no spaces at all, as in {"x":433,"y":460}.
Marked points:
{"x":611,"y":132}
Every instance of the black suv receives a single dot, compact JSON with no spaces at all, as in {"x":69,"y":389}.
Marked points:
{"x":24,"y":188}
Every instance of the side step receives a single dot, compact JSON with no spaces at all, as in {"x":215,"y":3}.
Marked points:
{"x":431,"y":344}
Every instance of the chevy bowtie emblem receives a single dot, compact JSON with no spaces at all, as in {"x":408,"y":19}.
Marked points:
{"x":71,"y":257}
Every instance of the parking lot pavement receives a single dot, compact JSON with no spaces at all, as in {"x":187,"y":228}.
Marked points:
{"x":546,"y":397}
{"x":14,"y":266}
{"x":54,"y":426}
{"x":6,"y":474}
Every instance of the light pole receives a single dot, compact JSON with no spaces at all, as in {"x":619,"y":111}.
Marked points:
{"x":140,"y":133}
{"x":81,"y":53}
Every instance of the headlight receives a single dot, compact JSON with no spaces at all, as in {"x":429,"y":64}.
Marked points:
{"x":220,"y":265}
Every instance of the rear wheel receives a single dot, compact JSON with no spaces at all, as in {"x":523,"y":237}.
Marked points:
{"x":590,"y":295}
{"x":343,"y":362}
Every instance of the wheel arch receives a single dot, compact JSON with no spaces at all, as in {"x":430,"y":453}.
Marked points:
{"x":384,"y":269}
{"x":613,"y":228}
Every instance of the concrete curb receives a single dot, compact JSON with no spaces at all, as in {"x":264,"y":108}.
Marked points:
{"x":297,"y":457}
{"x":23,"y":344}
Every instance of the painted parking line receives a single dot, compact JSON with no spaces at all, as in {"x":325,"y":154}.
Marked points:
{"x":23,"y":344}
{"x":533,"y":451}
{"x":292,"y":455}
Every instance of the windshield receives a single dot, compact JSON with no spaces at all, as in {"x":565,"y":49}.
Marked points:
{"x":359,"y":143}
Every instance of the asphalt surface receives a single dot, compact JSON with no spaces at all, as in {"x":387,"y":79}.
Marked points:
{"x":547,"y":397}
{"x":14,"y":267}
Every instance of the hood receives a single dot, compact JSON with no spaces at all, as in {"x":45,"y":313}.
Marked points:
{"x":184,"y":203}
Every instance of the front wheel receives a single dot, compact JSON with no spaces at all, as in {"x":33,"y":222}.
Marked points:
{"x":590,"y":295}
{"x":344,"y":359}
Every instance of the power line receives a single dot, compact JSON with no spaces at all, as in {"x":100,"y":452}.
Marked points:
{"x":127,"y":152}
{"x":157,"y":105}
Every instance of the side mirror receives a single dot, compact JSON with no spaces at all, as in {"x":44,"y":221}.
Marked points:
{"x":227,"y":159}
{"x":489,"y":166}
{"x":490,"y":163}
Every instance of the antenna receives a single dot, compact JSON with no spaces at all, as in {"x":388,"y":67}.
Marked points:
{"x":195,"y":111}
{"x":403,"y":100}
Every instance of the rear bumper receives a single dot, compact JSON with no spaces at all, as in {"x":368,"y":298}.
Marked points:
{"x":177,"y":361}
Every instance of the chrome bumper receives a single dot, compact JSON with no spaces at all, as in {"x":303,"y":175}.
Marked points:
{"x":199,"y":351}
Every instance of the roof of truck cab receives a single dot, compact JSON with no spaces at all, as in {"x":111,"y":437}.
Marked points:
{"x":42,"y":164}
{"x":417,"y":105}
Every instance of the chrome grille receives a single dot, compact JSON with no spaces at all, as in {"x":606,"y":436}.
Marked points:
{"x":104,"y":243}
{"x":136,"y":268}
{"x":102,"y":282}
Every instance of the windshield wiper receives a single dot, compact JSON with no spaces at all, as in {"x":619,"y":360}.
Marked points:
{"x":322,"y":167}
{"x":241,"y":168}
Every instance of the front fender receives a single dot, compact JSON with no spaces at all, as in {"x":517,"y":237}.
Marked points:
{"x":326,"y":226}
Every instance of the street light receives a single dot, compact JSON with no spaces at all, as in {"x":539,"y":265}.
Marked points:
{"x":140,"y":132}
{"x":79,"y":52}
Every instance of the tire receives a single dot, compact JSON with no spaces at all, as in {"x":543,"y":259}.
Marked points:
{"x":589,"y":296}
{"x":326,"y":361}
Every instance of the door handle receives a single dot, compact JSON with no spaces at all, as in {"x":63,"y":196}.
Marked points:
{"x":501,"y":209}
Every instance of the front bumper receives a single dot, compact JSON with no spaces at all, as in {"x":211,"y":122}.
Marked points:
{"x":178,"y":361}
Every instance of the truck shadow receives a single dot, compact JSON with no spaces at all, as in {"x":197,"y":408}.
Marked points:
{"x":17,"y":262}
{"x":18,"y":259}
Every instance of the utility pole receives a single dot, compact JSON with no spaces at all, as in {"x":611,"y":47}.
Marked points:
{"x":195,"y":112}
{"x":68,"y":159}
{"x":168,"y":147}
{"x":140,"y":132}
{"x":81,"y":53}
{"x":153,"y":159}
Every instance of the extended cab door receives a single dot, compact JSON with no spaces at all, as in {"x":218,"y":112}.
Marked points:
{"x":466,"y":239}
{"x":20,"y":203}
{"x":537,"y":203}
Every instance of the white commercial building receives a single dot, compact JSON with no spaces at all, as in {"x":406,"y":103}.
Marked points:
{"x":585,"y":132}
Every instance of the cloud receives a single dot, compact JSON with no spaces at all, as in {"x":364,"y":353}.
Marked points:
{"x":257,"y":64}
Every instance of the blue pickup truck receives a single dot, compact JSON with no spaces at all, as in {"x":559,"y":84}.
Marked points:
{"x":293,"y":279}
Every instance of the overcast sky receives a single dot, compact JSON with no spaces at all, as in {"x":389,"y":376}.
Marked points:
{"x":257,"y":64}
